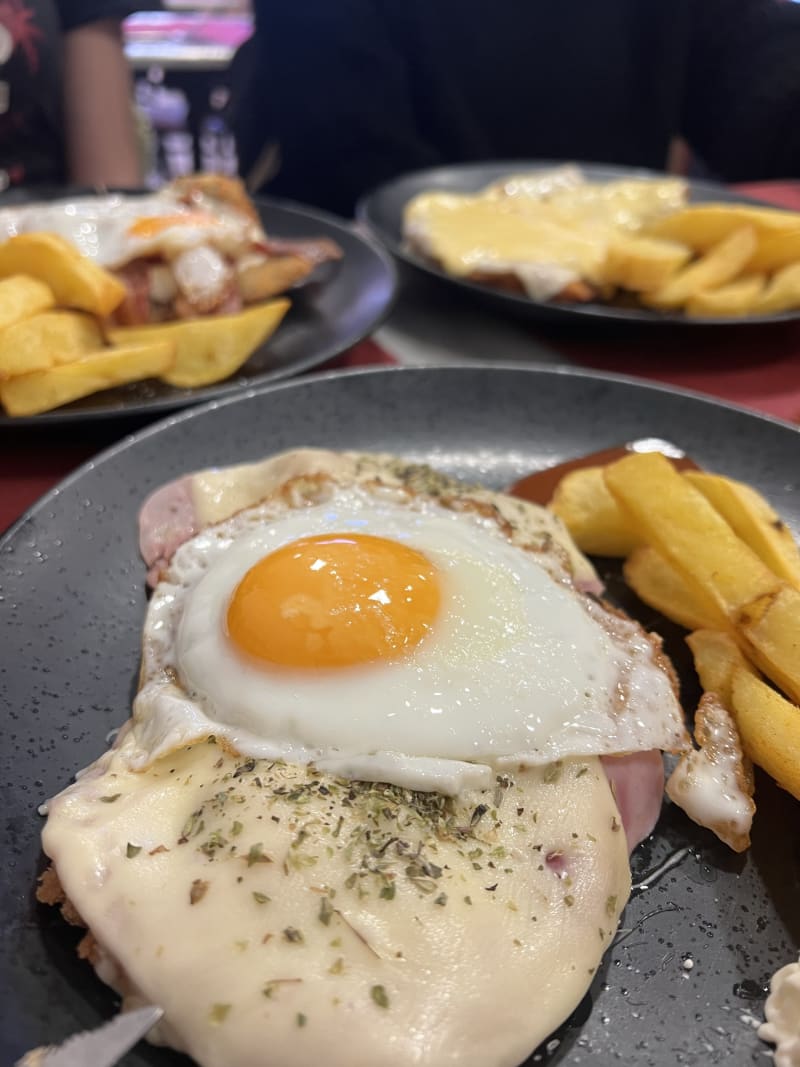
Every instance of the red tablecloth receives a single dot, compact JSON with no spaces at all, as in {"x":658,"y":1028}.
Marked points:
{"x":756,"y":366}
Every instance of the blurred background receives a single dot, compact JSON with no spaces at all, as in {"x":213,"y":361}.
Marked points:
{"x":181,"y":59}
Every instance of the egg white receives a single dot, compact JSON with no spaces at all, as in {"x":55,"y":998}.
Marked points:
{"x":518,"y":667}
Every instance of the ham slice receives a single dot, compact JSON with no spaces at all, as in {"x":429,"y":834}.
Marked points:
{"x":167,"y":519}
{"x":637,"y":782}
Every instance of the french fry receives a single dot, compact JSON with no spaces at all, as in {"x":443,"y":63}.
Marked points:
{"x":76,"y":282}
{"x":736,"y":298}
{"x":591,"y":514}
{"x":776,"y":251}
{"x":716,"y":658}
{"x":769,"y":727}
{"x":753,"y":519}
{"x":716,"y":267}
{"x":47,"y":339}
{"x":208,"y":350}
{"x":678,"y":520}
{"x":260,"y":281}
{"x":22,"y":296}
{"x":42,"y":390}
{"x":782,"y":292}
{"x":642,"y":264}
{"x":770,"y":627}
{"x":672,"y":515}
{"x":701,"y":226}
{"x":659,"y":584}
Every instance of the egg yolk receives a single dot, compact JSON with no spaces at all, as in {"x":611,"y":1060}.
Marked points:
{"x":334,"y":600}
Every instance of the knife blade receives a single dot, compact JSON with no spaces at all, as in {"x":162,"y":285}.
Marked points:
{"x":101,"y":1047}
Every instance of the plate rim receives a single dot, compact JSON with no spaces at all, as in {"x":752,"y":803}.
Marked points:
{"x":517,"y":303}
{"x":130,"y":441}
{"x":161,"y":406}
{"x":555,"y":377}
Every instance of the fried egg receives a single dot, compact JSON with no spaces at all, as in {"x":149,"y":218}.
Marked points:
{"x":387,"y":637}
{"x":116,"y":229}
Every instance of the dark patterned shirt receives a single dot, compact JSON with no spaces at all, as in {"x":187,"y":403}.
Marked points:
{"x":31,"y":124}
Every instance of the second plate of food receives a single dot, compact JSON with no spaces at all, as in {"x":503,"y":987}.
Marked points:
{"x":750,"y":279}
{"x":341,"y":301}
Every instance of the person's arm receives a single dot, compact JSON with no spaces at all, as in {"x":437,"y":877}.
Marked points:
{"x":331,"y":88}
{"x":742,"y":104}
{"x":100,"y":132}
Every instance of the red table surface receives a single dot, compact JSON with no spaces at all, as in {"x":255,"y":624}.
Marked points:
{"x":755,"y":366}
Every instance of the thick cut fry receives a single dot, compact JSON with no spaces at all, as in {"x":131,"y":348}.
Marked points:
{"x":753,"y":519}
{"x":770,"y":627}
{"x":735,"y":298}
{"x":716,"y":658}
{"x":660,"y":585}
{"x":782,"y":292}
{"x":260,"y":281}
{"x":777,"y":251}
{"x":208,"y":350}
{"x":22,"y":296}
{"x":42,"y":390}
{"x":44,"y":340}
{"x":591,"y":514}
{"x":642,"y":264}
{"x":701,"y":226}
{"x":673,"y":516}
{"x":76,"y":281}
{"x":719,"y":265}
{"x":769,"y":727}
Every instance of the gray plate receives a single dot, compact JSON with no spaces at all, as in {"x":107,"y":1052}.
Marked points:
{"x":382,"y":211}
{"x":338,"y":306}
{"x":74,"y":598}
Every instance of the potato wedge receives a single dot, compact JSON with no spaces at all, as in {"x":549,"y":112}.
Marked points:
{"x":210,"y":349}
{"x":659,"y":584}
{"x":22,"y":296}
{"x":673,"y":516}
{"x":260,"y":281}
{"x":782,"y":292}
{"x":719,"y":265}
{"x":769,"y":727}
{"x":776,"y":251}
{"x":642,"y":264}
{"x":770,"y":627}
{"x":44,"y":340}
{"x":753,"y":519}
{"x":76,"y":281}
{"x":716,"y":658}
{"x":42,"y":390}
{"x":591,"y":514}
{"x":736,"y":298}
{"x":701,"y":226}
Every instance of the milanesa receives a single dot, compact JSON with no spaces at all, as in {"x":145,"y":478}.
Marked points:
{"x":273,"y":890}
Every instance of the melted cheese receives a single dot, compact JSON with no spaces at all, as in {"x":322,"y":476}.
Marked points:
{"x":547,"y":228}
{"x":268,"y":906}
{"x":472,"y":235}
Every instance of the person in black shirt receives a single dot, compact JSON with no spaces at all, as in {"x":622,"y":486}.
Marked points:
{"x":349,"y":93}
{"x":65,"y":94}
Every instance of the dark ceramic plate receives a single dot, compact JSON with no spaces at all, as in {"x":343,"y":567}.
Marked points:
{"x":382,"y":211}
{"x":74,"y":597}
{"x":339,"y":305}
